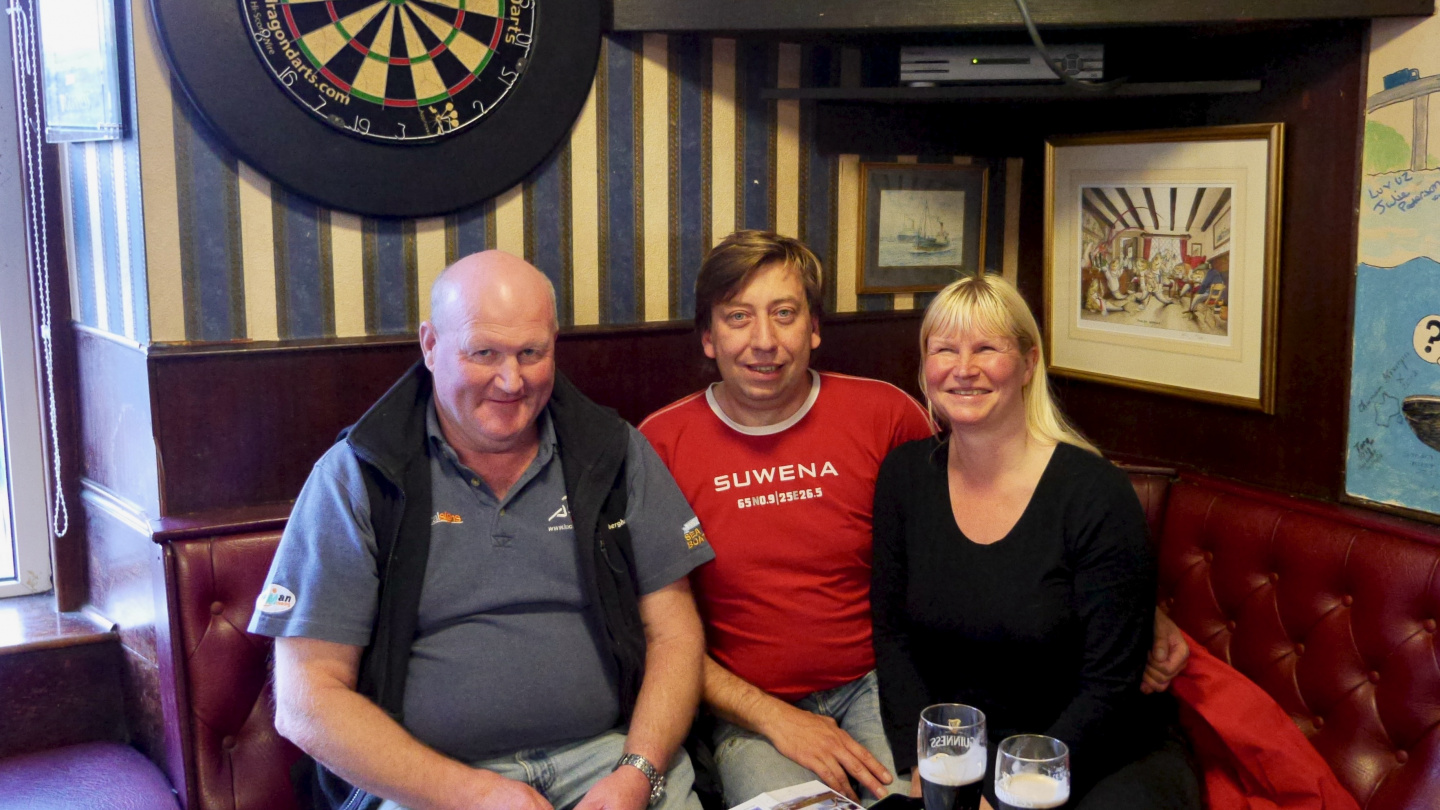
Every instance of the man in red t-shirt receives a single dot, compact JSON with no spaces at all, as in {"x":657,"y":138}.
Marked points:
{"x":779,"y":463}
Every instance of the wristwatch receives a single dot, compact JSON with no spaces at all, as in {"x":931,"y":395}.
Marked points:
{"x":657,"y":779}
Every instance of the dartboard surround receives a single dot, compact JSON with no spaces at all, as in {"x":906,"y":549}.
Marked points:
{"x":517,"y":73}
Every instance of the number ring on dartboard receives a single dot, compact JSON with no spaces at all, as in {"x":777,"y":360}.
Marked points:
{"x":386,"y":107}
{"x":402,"y":70}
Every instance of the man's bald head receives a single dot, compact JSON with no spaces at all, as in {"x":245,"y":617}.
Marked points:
{"x":490,"y":348}
{"x":490,"y":279}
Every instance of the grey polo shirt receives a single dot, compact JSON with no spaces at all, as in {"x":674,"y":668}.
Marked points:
{"x":506,"y":657}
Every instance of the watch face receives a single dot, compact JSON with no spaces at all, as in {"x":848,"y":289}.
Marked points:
{"x":396,"y":71}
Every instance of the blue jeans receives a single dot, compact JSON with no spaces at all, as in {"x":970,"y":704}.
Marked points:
{"x":749,"y":765}
{"x":563,"y":774}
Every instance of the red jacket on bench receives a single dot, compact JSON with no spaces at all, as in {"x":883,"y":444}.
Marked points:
{"x":1252,"y":755}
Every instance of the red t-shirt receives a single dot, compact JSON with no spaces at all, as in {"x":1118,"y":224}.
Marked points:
{"x":787,"y":509}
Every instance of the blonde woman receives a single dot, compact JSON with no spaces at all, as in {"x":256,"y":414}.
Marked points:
{"x":1011,"y":567}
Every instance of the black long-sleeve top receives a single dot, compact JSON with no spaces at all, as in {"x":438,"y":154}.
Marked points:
{"x":1046,"y":630}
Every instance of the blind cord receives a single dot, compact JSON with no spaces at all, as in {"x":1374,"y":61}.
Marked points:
{"x":32,"y":143}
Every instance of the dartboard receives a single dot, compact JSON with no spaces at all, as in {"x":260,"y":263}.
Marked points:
{"x":395,"y":70}
{"x":386,"y":107}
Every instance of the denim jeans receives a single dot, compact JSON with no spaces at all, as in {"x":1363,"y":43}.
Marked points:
{"x":563,"y":774}
{"x":749,"y":765}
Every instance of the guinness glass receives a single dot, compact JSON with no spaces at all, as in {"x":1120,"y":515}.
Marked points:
{"x":952,"y":750}
{"x":1032,"y":772}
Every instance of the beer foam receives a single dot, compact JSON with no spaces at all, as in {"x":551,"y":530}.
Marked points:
{"x":954,"y":769}
{"x":1034,"y":791}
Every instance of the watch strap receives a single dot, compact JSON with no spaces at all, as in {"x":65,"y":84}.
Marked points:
{"x":657,"y":779}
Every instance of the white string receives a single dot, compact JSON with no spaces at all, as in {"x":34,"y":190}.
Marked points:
{"x":27,"y":102}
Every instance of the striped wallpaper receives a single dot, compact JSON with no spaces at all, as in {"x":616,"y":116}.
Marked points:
{"x":673,"y":150}
{"x":105,"y":243}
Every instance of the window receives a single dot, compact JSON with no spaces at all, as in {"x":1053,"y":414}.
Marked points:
{"x":24,"y":513}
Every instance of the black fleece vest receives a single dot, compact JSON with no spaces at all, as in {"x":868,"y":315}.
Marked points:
{"x":390,"y":442}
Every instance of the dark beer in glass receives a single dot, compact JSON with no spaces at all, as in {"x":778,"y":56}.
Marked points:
{"x":952,"y":748}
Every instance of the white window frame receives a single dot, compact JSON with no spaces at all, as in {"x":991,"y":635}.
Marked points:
{"x":27,"y":472}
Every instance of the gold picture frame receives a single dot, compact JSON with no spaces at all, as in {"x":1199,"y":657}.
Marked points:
{"x":1162,"y":257}
{"x":922,"y":225}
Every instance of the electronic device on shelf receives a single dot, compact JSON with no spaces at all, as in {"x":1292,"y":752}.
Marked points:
{"x":927,"y":66}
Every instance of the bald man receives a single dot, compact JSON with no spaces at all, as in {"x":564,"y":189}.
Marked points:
{"x":480,"y":599}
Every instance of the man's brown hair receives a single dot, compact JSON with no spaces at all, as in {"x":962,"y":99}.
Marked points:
{"x":731,"y":264}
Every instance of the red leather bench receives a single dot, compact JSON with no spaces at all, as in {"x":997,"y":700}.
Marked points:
{"x":233,"y":757}
{"x":1332,"y":610}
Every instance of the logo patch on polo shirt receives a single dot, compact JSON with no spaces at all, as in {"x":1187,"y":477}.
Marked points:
{"x":275,"y":599}
{"x":694,"y":535}
{"x":563,"y":513}
{"x":445,"y":517}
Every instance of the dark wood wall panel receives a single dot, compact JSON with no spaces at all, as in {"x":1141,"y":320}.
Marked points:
{"x":60,"y":696}
{"x":117,"y":443}
{"x":241,"y":426}
{"x":634,"y":371}
{"x":884,"y":346}
{"x":144,"y":712}
{"x":121,"y":587}
{"x":69,"y":551}
{"x":238,"y":429}
{"x":172,"y":737}
{"x":1313,"y":82}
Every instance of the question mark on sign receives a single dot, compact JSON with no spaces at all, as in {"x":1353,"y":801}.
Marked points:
{"x":1427,"y":338}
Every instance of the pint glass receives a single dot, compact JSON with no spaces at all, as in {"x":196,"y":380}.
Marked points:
{"x":1032,"y":772}
{"x":952,"y":750}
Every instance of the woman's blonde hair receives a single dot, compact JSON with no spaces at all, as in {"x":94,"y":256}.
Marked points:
{"x":990,"y":305}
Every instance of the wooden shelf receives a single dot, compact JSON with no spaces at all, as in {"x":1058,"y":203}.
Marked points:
{"x":29,"y":623}
{"x":1009,"y":92}
{"x":873,"y":16}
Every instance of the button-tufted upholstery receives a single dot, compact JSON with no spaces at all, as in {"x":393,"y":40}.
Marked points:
{"x":235,"y":759}
{"x":1332,"y":610}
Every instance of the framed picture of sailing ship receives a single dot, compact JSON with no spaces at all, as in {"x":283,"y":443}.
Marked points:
{"x":922,"y":224}
{"x":1162,"y":251}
